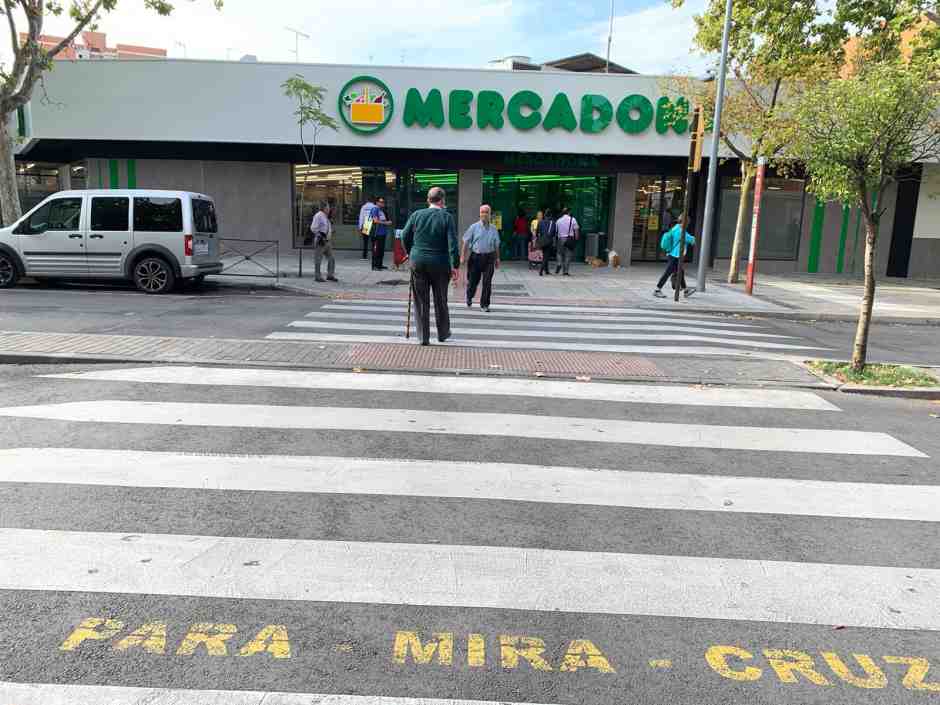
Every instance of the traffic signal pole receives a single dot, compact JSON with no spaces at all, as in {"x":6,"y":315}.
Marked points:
{"x":695,"y":163}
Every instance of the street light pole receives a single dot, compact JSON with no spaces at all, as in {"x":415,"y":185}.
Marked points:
{"x":711,"y":190}
{"x":610,"y":34}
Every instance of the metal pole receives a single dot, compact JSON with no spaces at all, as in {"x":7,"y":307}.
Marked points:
{"x":755,"y":226}
{"x":610,"y":34}
{"x":710,"y":192}
{"x":687,"y":202}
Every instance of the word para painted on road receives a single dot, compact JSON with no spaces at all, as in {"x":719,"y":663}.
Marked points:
{"x":510,"y":651}
{"x":209,"y":638}
{"x":791,"y":666}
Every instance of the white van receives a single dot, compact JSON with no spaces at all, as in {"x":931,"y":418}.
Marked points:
{"x":154,"y":238}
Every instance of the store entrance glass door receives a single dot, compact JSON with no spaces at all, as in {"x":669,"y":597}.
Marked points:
{"x":657,"y":208}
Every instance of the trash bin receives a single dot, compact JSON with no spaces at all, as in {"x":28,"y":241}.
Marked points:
{"x":592,"y":245}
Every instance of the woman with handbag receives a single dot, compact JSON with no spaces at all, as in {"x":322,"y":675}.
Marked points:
{"x":546,"y":238}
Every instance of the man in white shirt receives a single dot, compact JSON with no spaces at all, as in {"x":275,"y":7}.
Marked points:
{"x":568,"y":231}
{"x":322,"y":230}
{"x":364,"y":213}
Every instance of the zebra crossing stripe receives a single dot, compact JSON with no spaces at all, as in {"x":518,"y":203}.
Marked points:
{"x":256,"y":416}
{"x":69,"y":694}
{"x":498,"y":320}
{"x":488,"y":577}
{"x":471,"y":480}
{"x":555,"y":334}
{"x":437,"y":384}
{"x":540,"y":308}
{"x":456,"y":341}
{"x":456,"y":311}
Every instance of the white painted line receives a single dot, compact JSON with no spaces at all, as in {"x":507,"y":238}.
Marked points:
{"x":59,"y":694}
{"x":471,"y":480}
{"x":439,"y":384}
{"x":457,"y":311}
{"x":457,"y":342}
{"x":489,"y":577}
{"x":571,"y":430}
{"x":556,"y":334}
{"x":536,"y":308}
{"x":600,"y":327}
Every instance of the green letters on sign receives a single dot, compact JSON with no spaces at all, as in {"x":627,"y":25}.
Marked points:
{"x":560,"y":114}
{"x":638,"y":104}
{"x":424,"y":112}
{"x":596,"y":113}
{"x":674,"y":115}
{"x":459,"y":113}
{"x":490,"y":109}
{"x":524,"y":99}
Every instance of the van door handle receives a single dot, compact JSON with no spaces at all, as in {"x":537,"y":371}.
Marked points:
{"x":77,"y":236}
{"x":96,"y":237}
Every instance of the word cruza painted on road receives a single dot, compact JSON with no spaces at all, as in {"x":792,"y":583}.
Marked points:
{"x":411,"y":647}
{"x":207,"y":638}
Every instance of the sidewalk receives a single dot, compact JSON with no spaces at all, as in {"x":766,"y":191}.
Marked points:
{"x":44,"y":348}
{"x":795,"y":297}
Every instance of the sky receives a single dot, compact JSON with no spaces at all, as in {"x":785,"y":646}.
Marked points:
{"x":649,"y":35}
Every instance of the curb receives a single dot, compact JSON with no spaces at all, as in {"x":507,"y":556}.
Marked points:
{"x":928,"y":393}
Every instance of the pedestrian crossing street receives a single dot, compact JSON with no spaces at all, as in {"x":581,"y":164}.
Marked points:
{"x":551,"y":327}
{"x":634,"y":518}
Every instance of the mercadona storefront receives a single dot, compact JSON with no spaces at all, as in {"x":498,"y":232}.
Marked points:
{"x":611,"y":147}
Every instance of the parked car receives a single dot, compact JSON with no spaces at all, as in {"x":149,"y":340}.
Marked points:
{"x":154,"y":238}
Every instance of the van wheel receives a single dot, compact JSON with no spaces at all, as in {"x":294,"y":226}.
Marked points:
{"x":8,"y":273}
{"x":152,"y":275}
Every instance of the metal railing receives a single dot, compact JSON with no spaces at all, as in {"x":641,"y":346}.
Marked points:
{"x":248,"y":251}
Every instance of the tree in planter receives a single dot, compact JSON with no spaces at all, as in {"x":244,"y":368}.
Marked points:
{"x":309,"y":114}
{"x":31,"y":60}
{"x":857,"y":136}
{"x":774,"y":45}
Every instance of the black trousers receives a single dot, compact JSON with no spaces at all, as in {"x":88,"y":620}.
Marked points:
{"x":671,"y":267}
{"x":548,"y":258}
{"x":481,"y":267}
{"x":428,"y":279}
{"x":365,"y":246}
{"x":378,"y":251}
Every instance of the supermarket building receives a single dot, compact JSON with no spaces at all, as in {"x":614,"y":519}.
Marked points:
{"x":611,"y":146}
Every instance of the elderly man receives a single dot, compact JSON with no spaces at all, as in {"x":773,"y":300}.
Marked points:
{"x":481,"y":253}
{"x":430,"y":239}
{"x":322,"y":229}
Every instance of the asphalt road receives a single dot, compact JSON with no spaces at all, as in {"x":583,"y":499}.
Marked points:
{"x":659,"y":579}
{"x":219,"y":310}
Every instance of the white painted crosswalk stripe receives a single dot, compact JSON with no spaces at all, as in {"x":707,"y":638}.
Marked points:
{"x":472,"y":480}
{"x":470,"y":576}
{"x":457,"y":311}
{"x":437,"y":384}
{"x":724,"y":339}
{"x":498,"y":320}
{"x":69,"y":694}
{"x":541,"y":308}
{"x":797,"y":440}
{"x":458,"y":341}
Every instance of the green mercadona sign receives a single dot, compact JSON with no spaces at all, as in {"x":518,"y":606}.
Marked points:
{"x":366,"y":106}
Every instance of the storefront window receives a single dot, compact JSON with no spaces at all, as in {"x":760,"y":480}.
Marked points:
{"x":36,"y":181}
{"x":421,"y":181}
{"x":658,"y":206}
{"x":781,"y":220}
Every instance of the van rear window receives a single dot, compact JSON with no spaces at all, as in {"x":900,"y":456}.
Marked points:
{"x":204,"y":220}
{"x":158,"y":215}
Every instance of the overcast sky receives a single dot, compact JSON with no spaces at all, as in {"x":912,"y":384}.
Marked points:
{"x":649,"y":37}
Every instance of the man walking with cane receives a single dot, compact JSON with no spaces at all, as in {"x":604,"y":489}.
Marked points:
{"x":481,"y":253}
{"x":430,"y":239}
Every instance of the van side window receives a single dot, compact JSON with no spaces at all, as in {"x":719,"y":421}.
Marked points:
{"x":60,"y":214}
{"x":158,"y":215}
{"x":204,"y":219}
{"x":110,"y":213}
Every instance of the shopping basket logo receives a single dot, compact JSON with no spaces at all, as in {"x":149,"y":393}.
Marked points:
{"x":366,"y":105}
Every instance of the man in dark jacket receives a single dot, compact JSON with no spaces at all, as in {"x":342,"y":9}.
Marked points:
{"x":430,"y":239}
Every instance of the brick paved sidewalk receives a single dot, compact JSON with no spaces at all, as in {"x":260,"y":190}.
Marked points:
{"x":28,"y":348}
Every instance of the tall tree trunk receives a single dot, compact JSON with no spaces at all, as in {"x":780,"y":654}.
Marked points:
{"x":9,"y":194}
{"x":747,"y":179}
{"x":860,"y":348}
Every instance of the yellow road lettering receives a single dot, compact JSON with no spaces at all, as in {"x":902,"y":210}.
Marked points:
{"x":476,"y":650}
{"x":916,"y":673}
{"x":442,"y":644}
{"x":91,"y":629}
{"x":529,"y":648}
{"x":875,"y":677}
{"x":212,"y":636}
{"x":151,"y":637}
{"x":717,"y":657}
{"x":787,"y":662}
{"x":584,"y":654}
{"x":273,"y":639}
